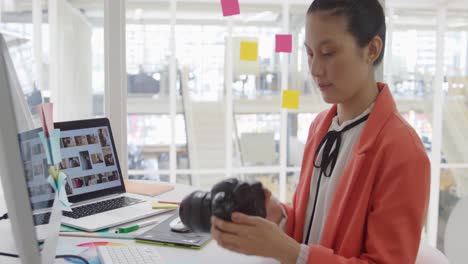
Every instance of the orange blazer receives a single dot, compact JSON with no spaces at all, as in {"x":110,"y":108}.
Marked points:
{"x":379,"y":208}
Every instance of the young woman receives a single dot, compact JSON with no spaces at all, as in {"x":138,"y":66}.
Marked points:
{"x":364,"y":185}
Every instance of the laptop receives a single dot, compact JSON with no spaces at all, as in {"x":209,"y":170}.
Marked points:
{"x":95,"y":185}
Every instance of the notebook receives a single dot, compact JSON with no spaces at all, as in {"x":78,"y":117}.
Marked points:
{"x":162,"y":235}
{"x":159,"y":205}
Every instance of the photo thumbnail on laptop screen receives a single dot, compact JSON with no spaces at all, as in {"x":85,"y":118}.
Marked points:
{"x":88,"y":160}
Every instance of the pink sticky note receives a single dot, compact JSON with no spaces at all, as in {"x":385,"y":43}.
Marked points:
{"x":230,"y":7}
{"x":45,"y":111}
{"x":283,"y":43}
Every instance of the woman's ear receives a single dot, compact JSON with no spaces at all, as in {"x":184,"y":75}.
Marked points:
{"x":374,"y":49}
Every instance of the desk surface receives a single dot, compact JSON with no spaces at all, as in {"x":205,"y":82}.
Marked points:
{"x":211,"y":253}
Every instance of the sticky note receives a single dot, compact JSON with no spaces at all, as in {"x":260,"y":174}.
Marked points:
{"x":230,"y":7}
{"x":284,"y":43}
{"x":45,"y":112}
{"x":54,"y":173}
{"x":248,"y":51}
{"x":290,"y":99}
{"x":62,"y":180}
{"x":59,"y":189}
{"x":52,"y":146}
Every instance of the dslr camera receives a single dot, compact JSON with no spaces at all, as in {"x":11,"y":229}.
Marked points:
{"x":225,"y":197}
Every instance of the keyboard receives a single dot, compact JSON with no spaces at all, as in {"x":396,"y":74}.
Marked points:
{"x":127,"y":255}
{"x":41,"y":219}
{"x":99,"y":207}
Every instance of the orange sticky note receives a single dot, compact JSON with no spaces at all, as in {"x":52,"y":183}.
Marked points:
{"x":248,"y":51}
{"x":291,"y":99}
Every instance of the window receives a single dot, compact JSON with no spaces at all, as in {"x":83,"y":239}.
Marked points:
{"x":148,"y":145}
{"x":257,"y":139}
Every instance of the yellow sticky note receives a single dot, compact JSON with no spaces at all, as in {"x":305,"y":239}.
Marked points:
{"x":291,"y":99}
{"x":54,"y":172}
{"x":158,"y":205}
{"x":248,"y":51}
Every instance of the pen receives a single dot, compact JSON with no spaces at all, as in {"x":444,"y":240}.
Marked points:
{"x":132,"y":228}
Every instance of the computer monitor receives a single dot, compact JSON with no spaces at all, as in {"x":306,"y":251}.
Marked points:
{"x":14,"y":117}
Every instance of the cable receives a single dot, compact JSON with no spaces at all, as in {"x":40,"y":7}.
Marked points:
{"x":9,"y":255}
{"x":73,"y":256}
{"x":58,"y":256}
{"x":4,"y":217}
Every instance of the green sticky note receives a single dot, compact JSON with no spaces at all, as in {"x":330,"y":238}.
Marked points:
{"x":291,"y":99}
{"x":248,"y":51}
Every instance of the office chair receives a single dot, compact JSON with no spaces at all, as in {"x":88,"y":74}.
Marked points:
{"x":430,"y":255}
{"x":456,"y":233}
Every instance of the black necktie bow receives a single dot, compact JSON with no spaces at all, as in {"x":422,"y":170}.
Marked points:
{"x":330,"y":153}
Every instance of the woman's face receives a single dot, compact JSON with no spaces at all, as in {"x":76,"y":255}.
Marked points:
{"x":338,"y":65}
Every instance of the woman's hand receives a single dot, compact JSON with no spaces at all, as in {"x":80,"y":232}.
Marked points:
{"x":252,"y":235}
{"x":273,"y":208}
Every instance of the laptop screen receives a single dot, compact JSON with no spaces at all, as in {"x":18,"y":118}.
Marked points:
{"x":88,"y":159}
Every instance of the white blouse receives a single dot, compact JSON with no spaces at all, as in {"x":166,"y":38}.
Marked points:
{"x":328,"y":184}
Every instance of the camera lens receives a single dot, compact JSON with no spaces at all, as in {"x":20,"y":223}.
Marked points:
{"x":195,"y":211}
{"x":226,"y":197}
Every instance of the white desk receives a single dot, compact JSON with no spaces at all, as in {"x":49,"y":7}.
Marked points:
{"x":211,"y":253}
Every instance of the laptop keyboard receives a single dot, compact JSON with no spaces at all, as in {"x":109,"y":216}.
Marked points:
{"x":99,"y":207}
{"x":90,"y":209}
{"x":41,"y":219}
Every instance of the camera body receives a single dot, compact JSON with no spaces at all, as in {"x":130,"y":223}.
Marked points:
{"x":225,"y":197}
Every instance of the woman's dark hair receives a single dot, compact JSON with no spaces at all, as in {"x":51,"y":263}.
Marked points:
{"x":366,"y":18}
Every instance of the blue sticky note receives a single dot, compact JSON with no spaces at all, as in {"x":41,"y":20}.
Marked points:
{"x":59,"y":189}
{"x":52,"y":146}
{"x":62,"y":180}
